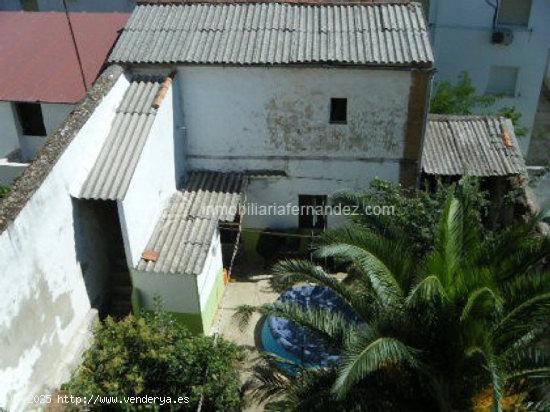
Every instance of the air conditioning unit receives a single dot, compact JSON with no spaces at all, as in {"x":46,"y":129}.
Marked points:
{"x":502,"y":36}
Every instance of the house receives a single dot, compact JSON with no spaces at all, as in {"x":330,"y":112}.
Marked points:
{"x":143,"y":192}
{"x":291,"y":102}
{"x":503,"y":45}
{"x":206,"y":107}
{"x":41,"y":80}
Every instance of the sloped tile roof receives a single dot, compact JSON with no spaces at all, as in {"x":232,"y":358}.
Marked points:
{"x":470,"y":146}
{"x":380,"y":34}
{"x":38,"y":62}
{"x":111,"y":174}
{"x":183,"y":235}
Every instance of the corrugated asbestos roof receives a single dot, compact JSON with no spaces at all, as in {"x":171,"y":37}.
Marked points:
{"x":183,"y":235}
{"x":276,"y":33}
{"x":111,"y":174}
{"x":470,"y":145}
{"x":38,"y":62}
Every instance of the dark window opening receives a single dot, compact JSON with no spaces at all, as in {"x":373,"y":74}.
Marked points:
{"x":31,"y":119}
{"x":312,"y":211}
{"x":338,"y":110}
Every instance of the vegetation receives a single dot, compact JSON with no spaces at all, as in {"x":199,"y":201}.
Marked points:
{"x":456,"y":328}
{"x":461,"y":98}
{"x":416,"y":211}
{"x":153,"y":355}
{"x":4,"y":191}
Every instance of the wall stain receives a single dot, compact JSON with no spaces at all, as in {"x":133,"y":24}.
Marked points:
{"x":292,"y":127}
{"x":36,"y":325}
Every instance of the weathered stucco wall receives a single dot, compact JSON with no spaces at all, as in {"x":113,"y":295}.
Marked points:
{"x":46,"y":305}
{"x":284,"y":112}
{"x":278,"y":119}
{"x":153,"y":183}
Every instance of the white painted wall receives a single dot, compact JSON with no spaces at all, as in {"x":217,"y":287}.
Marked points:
{"x":152,"y":185}
{"x":461,"y":32}
{"x":278,"y":119}
{"x":45,"y":303}
{"x":178,"y":292}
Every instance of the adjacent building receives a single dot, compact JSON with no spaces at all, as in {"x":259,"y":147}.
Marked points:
{"x":504,"y":46}
{"x":42,"y":77}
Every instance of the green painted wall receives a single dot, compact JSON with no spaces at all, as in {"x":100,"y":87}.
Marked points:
{"x":214,"y":299}
{"x":196,"y":322}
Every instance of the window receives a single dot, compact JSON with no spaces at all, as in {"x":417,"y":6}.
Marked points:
{"x":502,"y":80}
{"x":338,"y":110}
{"x":30,"y":119}
{"x":514,"y":12}
{"x":312,"y":211}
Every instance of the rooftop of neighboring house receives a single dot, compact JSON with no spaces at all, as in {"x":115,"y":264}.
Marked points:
{"x":471,"y":146}
{"x":38,"y":59}
{"x":383,"y":34}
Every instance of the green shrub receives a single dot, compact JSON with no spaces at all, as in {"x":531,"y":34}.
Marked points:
{"x":155,"y":356}
{"x":461,"y":99}
{"x":4,"y":191}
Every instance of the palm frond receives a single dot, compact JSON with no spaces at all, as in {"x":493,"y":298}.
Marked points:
{"x":380,"y":278}
{"x":362,"y":360}
{"x":481,"y":301}
{"x":332,"y":326}
{"x":494,"y":371}
{"x":527,"y":316}
{"x":294,"y":271}
{"x":530,"y":362}
{"x":428,"y":290}
{"x":393,"y":253}
{"x":450,"y":239}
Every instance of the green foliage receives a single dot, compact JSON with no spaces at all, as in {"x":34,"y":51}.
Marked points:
{"x":154,"y":355}
{"x":459,"y":98}
{"x":512,"y":113}
{"x":416,"y":211}
{"x":4,"y":191}
{"x":437,"y":330}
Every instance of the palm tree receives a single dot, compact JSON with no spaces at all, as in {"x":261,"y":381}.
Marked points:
{"x":434,"y":331}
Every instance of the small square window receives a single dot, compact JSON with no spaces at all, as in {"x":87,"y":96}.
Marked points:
{"x":338,"y":110}
{"x":503,"y":81}
{"x":30,"y":119}
{"x":312,"y":211}
{"x":514,"y":12}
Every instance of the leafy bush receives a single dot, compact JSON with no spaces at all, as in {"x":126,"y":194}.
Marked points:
{"x":461,"y":99}
{"x":416,"y":211}
{"x":155,"y":356}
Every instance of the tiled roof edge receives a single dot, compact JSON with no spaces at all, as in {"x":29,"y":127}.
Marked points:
{"x":32,"y":178}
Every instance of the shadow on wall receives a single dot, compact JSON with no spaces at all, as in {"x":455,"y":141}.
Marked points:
{"x":99,"y":248}
{"x":180,"y":137}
